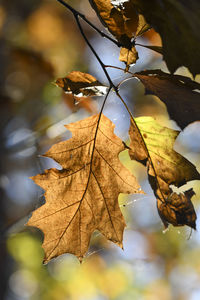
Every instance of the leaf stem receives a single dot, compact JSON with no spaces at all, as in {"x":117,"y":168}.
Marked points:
{"x":118,"y":68}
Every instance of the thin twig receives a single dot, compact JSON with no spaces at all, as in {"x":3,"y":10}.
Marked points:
{"x":118,"y":68}
{"x":112,"y":85}
{"x":76,"y":13}
{"x":94,"y":52}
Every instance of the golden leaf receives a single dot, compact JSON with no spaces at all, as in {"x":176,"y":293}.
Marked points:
{"x":83,"y":196}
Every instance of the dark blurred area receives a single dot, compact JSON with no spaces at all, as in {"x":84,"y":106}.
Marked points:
{"x":39,"y":42}
{"x":35,"y":40}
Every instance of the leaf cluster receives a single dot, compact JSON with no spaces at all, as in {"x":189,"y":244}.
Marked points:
{"x":83,"y":196}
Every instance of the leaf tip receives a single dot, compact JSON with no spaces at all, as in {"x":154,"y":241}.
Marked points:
{"x":45,"y":261}
{"x":193,"y":225}
{"x":80,"y":258}
{"x":120,"y":244}
{"x":140,"y":191}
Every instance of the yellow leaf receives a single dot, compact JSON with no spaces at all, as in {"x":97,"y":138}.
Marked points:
{"x":154,"y":148}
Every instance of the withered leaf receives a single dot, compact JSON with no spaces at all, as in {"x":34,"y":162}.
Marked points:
{"x":178,"y":24}
{"x":81,"y":85}
{"x":83,"y":196}
{"x":129,"y":57}
{"x":122,"y":21}
{"x":176,"y":91}
{"x":178,"y":209}
{"x":153,"y":147}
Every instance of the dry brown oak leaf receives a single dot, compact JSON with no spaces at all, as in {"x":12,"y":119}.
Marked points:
{"x":83,"y":196}
{"x":180,"y":94}
{"x":81,"y":85}
{"x":152,"y":145}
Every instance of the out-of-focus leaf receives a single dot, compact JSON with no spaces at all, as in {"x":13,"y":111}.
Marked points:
{"x":83,"y":196}
{"x":75,"y":103}
{"x":176,"y":91}
{"x":32,"y":59}
{"x":178,"y":24}
{"x":81,"y":85}
{"x":165,"y":167}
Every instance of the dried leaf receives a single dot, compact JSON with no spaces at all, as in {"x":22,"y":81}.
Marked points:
{"x":178,"y":24}
{"x":83,"y":196}
{"x":178,"y":210}
{"x":121,"y":19}
{"x":165,"y":167}
{"x":176,"y":91}
{"x":129,"y":57}
{"x":81,"y":85}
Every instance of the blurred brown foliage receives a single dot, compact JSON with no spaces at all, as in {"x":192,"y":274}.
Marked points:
{"x":38,"y":43}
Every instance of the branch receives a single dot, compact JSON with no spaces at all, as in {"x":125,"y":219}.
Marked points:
{"x":112,"y":85}
{"x":93,"y":51}
{"x":76,"y":13}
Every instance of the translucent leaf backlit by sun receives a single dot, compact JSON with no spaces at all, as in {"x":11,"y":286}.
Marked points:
{"x":128,"y":56}
{"x":83,"y":196}
{"x":121,"y":19}
{"x":165,"y":167}
{"x":81,"y":85}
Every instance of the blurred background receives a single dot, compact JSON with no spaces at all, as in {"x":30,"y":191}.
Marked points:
{"x":39,"y":42}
